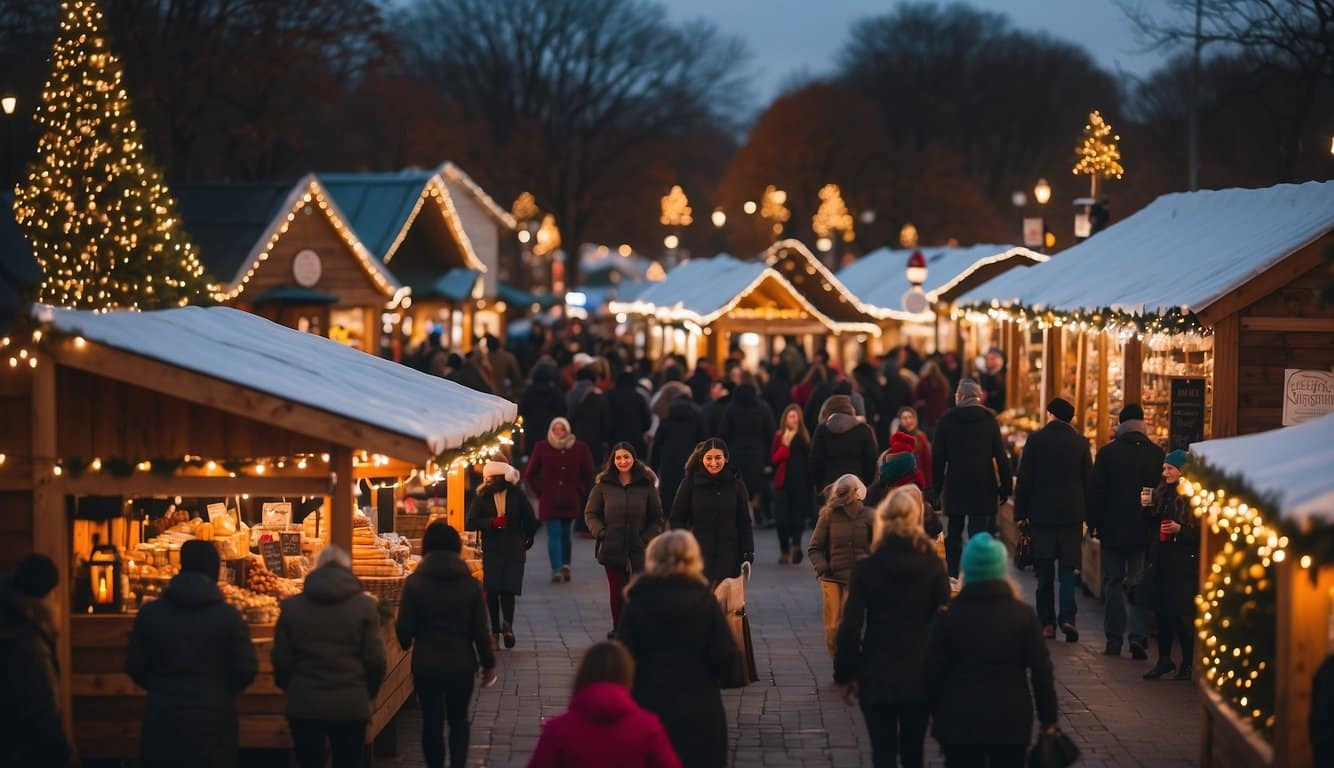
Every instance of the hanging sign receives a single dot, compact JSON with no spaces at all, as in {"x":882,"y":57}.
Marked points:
{"x":307,"y":268}
{"x":1186,"y":412}
{"x":1306,"y":395}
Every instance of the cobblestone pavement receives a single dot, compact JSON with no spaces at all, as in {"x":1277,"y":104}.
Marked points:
{"x":794,"y":716}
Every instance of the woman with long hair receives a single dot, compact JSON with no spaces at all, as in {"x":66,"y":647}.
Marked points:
{"x":560,"y":474}
{"x":842,"y":537}
{"x":502,"y":514}
{"x":894,"y":594}
{"x":714,"y":505}
{"x":932,"y":396}
{"x":794,"y":500}
{"x":683,"y":649}
{"x":623,"y":513}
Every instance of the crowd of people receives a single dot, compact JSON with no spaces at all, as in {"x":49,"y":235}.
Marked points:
{"x":671,"y":469}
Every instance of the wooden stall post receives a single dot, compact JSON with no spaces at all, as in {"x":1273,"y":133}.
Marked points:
{"x":1132,"y":368}
{"x":455,"y":479}
{"x":1081,"y":385}
{"x":1303,"y":631}
{"x":50,"y":530}
{"x":1227,"y":376}
{"x":340,"y":524}
{"x":1015,"y":364}
{"x":1104,"y":431}
{"x":1053,"y":364}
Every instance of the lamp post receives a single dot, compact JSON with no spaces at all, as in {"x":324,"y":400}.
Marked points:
{"x":1035,"y":227}
{"x":9,"y":102}
{"x":914,"y":300}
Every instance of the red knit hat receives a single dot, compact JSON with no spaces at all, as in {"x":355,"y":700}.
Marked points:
{"x":901,"y":442}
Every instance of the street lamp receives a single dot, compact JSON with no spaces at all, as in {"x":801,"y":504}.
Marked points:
{"x":823,"y":244}
{"x":908,"y":236}
{"x":867,"y":217}
{"x":1018,"y":199}
{"x":916,"y":270}
{"x":719,"y":218}
{"x":749,"y":207}
{"x":671,"y":242}
{"x":1042,"y":192}
{"x":9,"y":103}
{"x":914,"y":300}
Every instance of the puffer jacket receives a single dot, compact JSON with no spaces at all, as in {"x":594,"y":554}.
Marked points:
{"x":842,"y":445}
{"x":842,"y":537}
{"x":327,"y":652}
{"x":443,"y":617}
{"x":624,"y":518}
{"x":716,"y":509}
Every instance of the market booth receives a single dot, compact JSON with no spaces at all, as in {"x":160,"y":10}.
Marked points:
{"x":129,"y":433}
{"x":1266,"y":603}
{"x":704,"y":307}
{"x":880,"y":280}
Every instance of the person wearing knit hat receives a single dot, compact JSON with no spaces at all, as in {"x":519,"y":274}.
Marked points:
{"x":1177,"y":458}
{"x":1173,"y":554}
{"x":986,"y":666}
{"x":32,"y":734}
{"x":502,"y":514}
{"x":842,"y":537}
{"x":895,"y":467}
{"x":1125,"y":472}
{"x":1049,"y":493}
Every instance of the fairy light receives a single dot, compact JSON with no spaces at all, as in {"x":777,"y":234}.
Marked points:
{"x":1098,"y":153}
{"x":676,"y":210}
{"x":101,"y":222}
{"x":832,"y":218}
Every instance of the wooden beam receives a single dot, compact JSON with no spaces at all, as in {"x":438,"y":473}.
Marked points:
{"x":1053,"y":365}
{"x":340,"y":526}
{"x":1289,"y":324}
{"x":237,"y":400}
{"x":1303,"y":626}
{"x":147,"y":484}
{"x":1104,"y":430}
{"x":1265,"y":283}
{"x":1081,"y":386}
{"x":1015,"y":364}
{"x":50,"y":529}
{"x":1227,"y":367}
{"x":1132,"y":370}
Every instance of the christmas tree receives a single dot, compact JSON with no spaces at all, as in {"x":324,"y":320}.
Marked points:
{"x":832,"y":217}
{"x":1099,"y":156}
{"x":102,"y":223}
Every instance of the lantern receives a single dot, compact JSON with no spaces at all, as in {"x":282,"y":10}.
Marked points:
{"x":104,"y":573}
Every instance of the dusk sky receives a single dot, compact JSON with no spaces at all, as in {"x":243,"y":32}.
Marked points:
{"x":787,"y":37}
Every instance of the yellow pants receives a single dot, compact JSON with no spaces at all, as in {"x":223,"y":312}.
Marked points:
{"x":835,"y":596}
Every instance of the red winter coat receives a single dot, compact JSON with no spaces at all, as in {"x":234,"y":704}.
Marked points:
{"x":923,"y":453}
{"x":604,"y":728}
{"x":561,"y":479}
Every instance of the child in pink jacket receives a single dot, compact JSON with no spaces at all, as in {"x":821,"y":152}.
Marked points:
{"x":604,"y":727}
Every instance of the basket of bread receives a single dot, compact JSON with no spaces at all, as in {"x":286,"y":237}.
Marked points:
{"x":374,"y":563}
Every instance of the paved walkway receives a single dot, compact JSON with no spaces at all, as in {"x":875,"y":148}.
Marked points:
{"x":794,"y":716}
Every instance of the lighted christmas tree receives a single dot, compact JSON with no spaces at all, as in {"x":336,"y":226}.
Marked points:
{"x":1099,"y":156}
{"x":832,"y":217}
{"x":676,"y":209}
{"x":101,"y":222}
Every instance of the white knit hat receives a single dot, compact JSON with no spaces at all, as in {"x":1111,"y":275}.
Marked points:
{"x":494,"y":468}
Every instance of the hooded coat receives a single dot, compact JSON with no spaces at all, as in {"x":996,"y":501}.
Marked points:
{"x":970,"y":467}
{"x":1128,"y":463}
{"x":590,"y":418}
{"x":327,"y":652}
{"x":675,"y":629}
{"x":505,"y":548}
{"x":673,"y":443}
{"x":561,"y":479}
{"x":841,"y":538}
{"x":716,"y":509}
{"x":30,"y":729}
{"x":894,"y":594}
{"x":604,"y":728}
{"x":443,"y":618}
{"x":1054,"y":472}
{"x":840,"y":446}
{"x":747,"y":427}
{"x":623,"y":518}
{"x":192,"y":652}
{"x":631,"y":417}
{"x":541,"y":402}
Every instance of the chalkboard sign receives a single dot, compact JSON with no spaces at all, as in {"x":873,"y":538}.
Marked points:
{"x":291,"y":541}
{"x":234,"y":571}
{"x":1186,"y":412}
{"x":272,"y":552}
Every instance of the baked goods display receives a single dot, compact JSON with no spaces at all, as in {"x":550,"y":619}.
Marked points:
{"x":371,"y":553}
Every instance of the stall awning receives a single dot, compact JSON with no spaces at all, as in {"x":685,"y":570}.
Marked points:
{"x":879,"y":278}
{"x":520,"y":298}
{"x":457,"y":284}
{"x":1291,"y":464}
{"x":293,"y":294}
{"x":1183,"y":251}
{"x":248,"y":351}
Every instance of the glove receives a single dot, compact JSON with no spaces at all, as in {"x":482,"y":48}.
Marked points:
{"x":499,"y":522}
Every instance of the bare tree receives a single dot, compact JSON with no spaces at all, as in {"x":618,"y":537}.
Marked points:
{"x":573,"y":93}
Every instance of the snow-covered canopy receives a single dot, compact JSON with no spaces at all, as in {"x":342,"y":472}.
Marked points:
{"x":880,"y":280}
{"x":252,"y":352}
{"x":699,"y":289}
{"x":1183,"y":250}
{"x":1292,"y":464}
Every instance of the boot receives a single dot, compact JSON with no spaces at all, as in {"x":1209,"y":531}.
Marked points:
{"x":1113,"y":648}
{"x":1137,"y":651}
{"x":1161,"y":668}
{"x":555,"y":577}
{"x":1071,"y":634}
{"x":1183,"y":673}
{"x":507,"y":632}
{"x":796,"y":554}
{"x":565,"y":573}
{"x":783,"y":559}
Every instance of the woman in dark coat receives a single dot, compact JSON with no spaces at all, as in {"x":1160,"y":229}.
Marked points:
{"x":983,"y":651}
{"x":748,"y":428}
{"x":505,"y":518}
{"x":894,"y":594}
{"x":713,"y":504}
{"x":841,"y":445}
{"x":192,"y":652}
{"x":1174,"y":571}
{"x":560,"y":474}
{"x":541,"y":402}
{"x":30,"y":729}
{"x":675,"y":440}
{"x":623,"y":513}
{"x":630,"y":414}
{"x":682,"y":648}
{"x":794,"y":501}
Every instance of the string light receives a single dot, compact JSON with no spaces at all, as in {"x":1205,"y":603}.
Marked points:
{"x":832,"y":217}
{"x":1099,"y":156}
{"x":676,"y":209}
{"x":101,"y":222}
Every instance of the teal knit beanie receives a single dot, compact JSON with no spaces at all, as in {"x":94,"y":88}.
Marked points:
{"x":897,"y":465}
{"x":983,"y":559}
{"x":1176,"y":458}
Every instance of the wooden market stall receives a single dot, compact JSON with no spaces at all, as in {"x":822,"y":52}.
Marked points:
{"x":1267,"y":589}
{"x":705,"y":307}
{"x":879,"y":279}
{"x":127,"y":425}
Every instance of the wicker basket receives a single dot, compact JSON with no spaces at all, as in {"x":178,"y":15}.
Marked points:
{"x":384,"y":587}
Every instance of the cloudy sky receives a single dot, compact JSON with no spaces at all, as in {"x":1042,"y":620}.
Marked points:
{"x":788,"y":37}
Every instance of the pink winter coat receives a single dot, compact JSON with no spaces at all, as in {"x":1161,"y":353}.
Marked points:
{"x":604,"y":728}
{"x":561,"y":479}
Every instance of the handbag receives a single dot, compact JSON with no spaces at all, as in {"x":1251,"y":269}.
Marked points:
{"x":1053,"y":750}
{"x":731,"y":596}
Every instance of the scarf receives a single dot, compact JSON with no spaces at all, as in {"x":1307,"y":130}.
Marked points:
{"x":1132,"y":425}
{"x":564,"y":443}
{"x":969,"y":401}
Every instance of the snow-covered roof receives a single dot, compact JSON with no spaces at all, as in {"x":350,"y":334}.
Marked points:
{"x":1187,"y":249}
{"x":879,"y":278}
{"x":249,"y":351}
{"x":456,"y":174}
{"x":1290,"y":464}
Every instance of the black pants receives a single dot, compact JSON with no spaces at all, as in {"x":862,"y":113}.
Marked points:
{"x":444,"y":701}
{"x":896,"y":728}
{"x":345,"y":738}
{"x":789,"y":536}
{"x":977,"y":756}
{"x":954,"y":535}
{"x":1172,"y":625}
{"x":498,"y":602}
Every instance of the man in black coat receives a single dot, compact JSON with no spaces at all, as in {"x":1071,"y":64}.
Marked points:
{"x":970,"y":469}
{"x":589,"y":414}
{"x":192,"y":652}
{"x":841,"y":445}
{"x":1054,"y":473}
{"x":630,"y":414}
{"x":442,"y":613}
{"x":1119,"y":514}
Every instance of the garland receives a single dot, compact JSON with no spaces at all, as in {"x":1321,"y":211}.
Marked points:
{"x":1172,"y":322}
{"x":482,"y":448}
